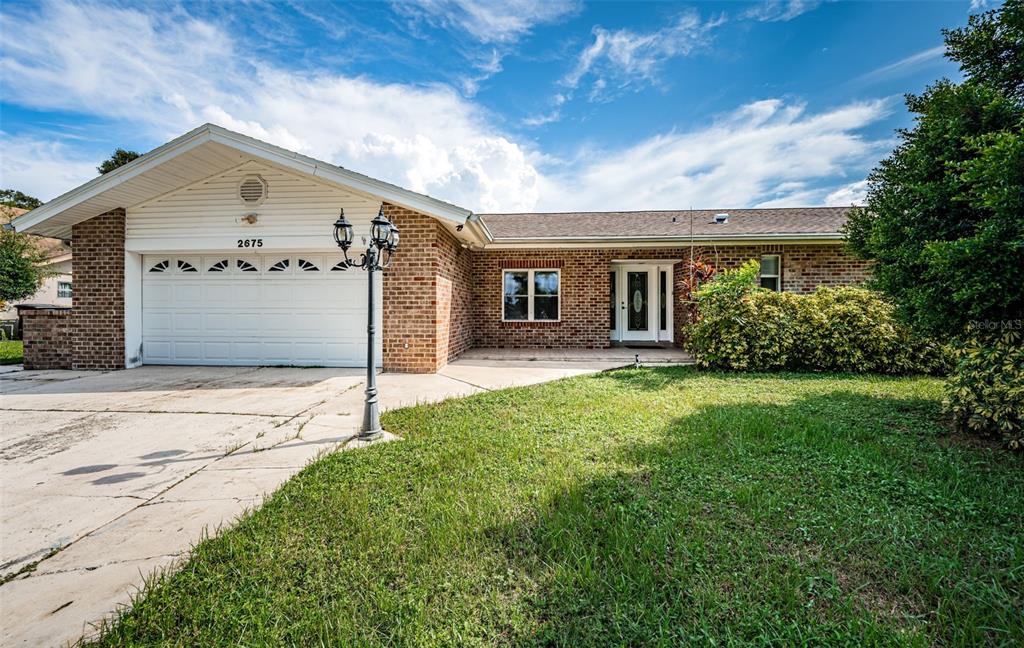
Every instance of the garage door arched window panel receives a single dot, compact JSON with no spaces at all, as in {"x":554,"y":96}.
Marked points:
{"x":245,"y":266}
{"x":160,"y":266}
{"x":219,"y":266}
{"x":306,"y":265}
{"x":185,"y":266}
{"x":340,"y":266}
{"x":280,"y":266}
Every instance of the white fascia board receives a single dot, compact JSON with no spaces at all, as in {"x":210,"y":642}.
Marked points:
{"x":99,"y":184}
{"x":656,"y":241}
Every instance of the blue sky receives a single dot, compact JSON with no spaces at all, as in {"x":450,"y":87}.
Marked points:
{"x":550,"y":105}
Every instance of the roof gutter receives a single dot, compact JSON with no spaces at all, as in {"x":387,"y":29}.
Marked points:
{"x":479,"y":229}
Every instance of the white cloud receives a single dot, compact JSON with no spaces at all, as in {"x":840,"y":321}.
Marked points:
{"x":629,"y":58}
{"x":40,"y":168}
{"x":767,"y":152}
{"x":488,"y":21}
{"x":854,"y":193}
{"x":780,"y":10}
{"x":903,"y":67}
{"x":128,"y":65}
{"x":977,"y":5}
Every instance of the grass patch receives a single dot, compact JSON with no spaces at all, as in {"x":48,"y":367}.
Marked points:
{"x":11,"y":352}
{"x":650,"y":506}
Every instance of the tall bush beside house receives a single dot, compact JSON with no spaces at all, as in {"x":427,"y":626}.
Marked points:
{"x":944,"y":217}
{"x":744,"y":327}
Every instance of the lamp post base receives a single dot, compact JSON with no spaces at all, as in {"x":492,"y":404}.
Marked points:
{"x":371,"y":435}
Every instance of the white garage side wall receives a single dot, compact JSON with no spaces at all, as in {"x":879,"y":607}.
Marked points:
{"x":132,"y":309}
{"x":297,"y":215}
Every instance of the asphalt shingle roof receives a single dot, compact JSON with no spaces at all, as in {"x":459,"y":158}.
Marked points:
{"x":642,"y":224}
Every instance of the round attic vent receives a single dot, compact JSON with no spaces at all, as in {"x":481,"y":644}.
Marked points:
{"x":252,"y":190}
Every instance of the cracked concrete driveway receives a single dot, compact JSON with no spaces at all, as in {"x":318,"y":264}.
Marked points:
{"x":107,"y":477}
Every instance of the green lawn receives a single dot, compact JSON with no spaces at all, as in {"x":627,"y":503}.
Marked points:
{"x":10,"y":352}
{"x":660,"y":506}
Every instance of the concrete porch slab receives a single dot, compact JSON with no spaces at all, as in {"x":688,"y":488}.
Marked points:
{"x":616,"y":356}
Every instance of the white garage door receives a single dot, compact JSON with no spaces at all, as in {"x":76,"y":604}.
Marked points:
{"x":257,"y":309}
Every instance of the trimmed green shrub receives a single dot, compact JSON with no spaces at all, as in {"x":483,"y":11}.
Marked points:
{"x":985,"y":391}
{"x":742,"y":326}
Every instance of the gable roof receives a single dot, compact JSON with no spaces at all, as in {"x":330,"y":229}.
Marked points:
{"x":793,"y":223}
{"x":198,"y":154}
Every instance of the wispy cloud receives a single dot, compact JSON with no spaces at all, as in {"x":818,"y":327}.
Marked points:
{"x":495,"y":26}
{"x":780,"y":10}
{"x":854,"y":193}
{"x":622,"y":58}
{"x":765,"y":153}
{"x":903,"y":67}
{"x":42,"y":167}
{"x":487,"y":21}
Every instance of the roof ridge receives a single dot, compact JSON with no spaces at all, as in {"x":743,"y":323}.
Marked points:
{"x":664,"y":211}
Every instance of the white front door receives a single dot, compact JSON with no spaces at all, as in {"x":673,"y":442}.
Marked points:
{"x":637,"y":303}
{"x":253,"y":309}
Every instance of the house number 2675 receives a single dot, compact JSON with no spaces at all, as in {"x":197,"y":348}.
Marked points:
{"x":244,"y":243}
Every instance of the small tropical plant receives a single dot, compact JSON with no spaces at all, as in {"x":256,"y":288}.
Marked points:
{"x":986,"y":391}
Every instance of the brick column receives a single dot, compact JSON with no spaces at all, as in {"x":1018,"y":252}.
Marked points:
{"x":98,"y":307}
{"x":410,"y":300}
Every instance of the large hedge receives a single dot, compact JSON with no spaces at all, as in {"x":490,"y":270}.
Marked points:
{"x":741,"y":326}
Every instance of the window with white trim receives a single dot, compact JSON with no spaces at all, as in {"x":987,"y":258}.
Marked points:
{"x":64,"y":289}
{"x":531,"y":295}
{"x":771,"y":272}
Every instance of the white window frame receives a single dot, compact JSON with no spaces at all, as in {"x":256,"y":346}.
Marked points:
{"x":777,"y":276}
{"x":530,"y":293}
{"x":61,"y":285}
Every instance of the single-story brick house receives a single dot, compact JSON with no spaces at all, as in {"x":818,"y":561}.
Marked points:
{"x":217,"y":249}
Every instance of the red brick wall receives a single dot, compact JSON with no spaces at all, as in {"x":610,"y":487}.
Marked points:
{"x":585,"y":290}
{"x":427,"y":296}
{"x":454,"y":297}
{"x":98,"y":313}
{"x":47,"y":337}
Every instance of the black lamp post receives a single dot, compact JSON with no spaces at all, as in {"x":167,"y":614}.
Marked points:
{"x":380,"y":248}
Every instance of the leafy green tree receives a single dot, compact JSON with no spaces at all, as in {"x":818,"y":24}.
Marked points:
{"x":944,"y":216}
{"x":118,"y":158}
{"x":21,"y":269}
{"x":14,"y":198}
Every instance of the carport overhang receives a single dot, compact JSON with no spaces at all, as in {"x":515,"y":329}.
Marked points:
{"x":207,"y":151}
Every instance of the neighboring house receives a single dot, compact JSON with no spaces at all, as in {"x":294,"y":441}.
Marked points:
{"x":217,"y":249}
{"x":56,"y":289}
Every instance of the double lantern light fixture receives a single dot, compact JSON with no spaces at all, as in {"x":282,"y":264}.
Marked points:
{"x":380,"y":248}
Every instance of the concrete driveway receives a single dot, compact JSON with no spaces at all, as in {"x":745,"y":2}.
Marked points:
{"x":106,"y":477}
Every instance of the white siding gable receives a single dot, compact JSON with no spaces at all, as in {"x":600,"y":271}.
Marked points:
{"x":297,"y":214}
